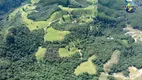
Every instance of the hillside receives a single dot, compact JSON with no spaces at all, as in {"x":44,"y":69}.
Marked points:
{"x":69,"y":40}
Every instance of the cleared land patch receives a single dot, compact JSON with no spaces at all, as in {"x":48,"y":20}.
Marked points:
{"x":135,"y":33}
{"x":63,"y":52}
{"x":68,"y":51}
{"x":135,"y":74}
{"x":40,"y":54}
{"x":103,"y":76}
{"x":93,"y":1}
{"x":88,"y":67}
{"x":114,"y":60}
{"x":54,"y":35}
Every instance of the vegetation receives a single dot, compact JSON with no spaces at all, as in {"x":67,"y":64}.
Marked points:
{"x":43,"y":12}
{"x":40,"y":54}
{"x":54,"y":35}
{"x":134,"y":19}
{"x":12,"y":4}
{"x":88,"y":67}
{"x":68,"y":51}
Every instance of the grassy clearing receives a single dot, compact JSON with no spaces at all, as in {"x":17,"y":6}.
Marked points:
{"x":65,"y":8}
{"x":63,"y":52}
{"x":103,"y":76}
{"x":88,"y":67}
{"x":93,"y":1}
{"x":40,"y":54}
{"x":34,"y":1}
{"x":68,"y":51}
{"x":55,"y":35}
{"x":67,"y":18}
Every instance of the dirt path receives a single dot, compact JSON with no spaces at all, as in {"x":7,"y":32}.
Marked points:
{"x":135,"y":74}
{"x":135,"y":33}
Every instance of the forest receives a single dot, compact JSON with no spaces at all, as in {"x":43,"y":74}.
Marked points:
{"x":50,"y":40}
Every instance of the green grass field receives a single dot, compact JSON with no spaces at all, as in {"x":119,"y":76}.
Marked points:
{"x":40,"y":54}
{"x":34,"y":1}
{"x":88,"y":67}
{"x":93,"y":1}
{"x":55,"y":35}
{"x":67,"y":18}
{"x":63,"y":52}
{"x":68,"y":51}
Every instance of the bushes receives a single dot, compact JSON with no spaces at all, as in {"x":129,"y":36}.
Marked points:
{"x":113,"y":4}
{"x":43,"y":12}
{"x":129,"y":57}
{"x":51,"y":2}
{"x":135,"y":19}
{"x":6,"y":5}
{"x":21,"y":42}
{"x":105,"y":18}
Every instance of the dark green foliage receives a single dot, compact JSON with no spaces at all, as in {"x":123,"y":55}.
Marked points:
{"x":52,"y":53}
{"x":126,"y":72}
{"x":27,"y":68}
{"x":51,"y":2}
{"x":105,"y":18}
{"x":135,"y":19}
{"x":106,"y":10}
{"x":111,"y":78}
{"x":6,"y":5}
{"x":129,"y":57}
{"x":110,"y":11}
{"x":102,"y":48}
{"x":78,"y":3}
{"x":21,"y":42}
{"x":44,"y":12}
{"x":113,"y":4}
{"x":86,"y":76}
{"x":74,"y":3}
